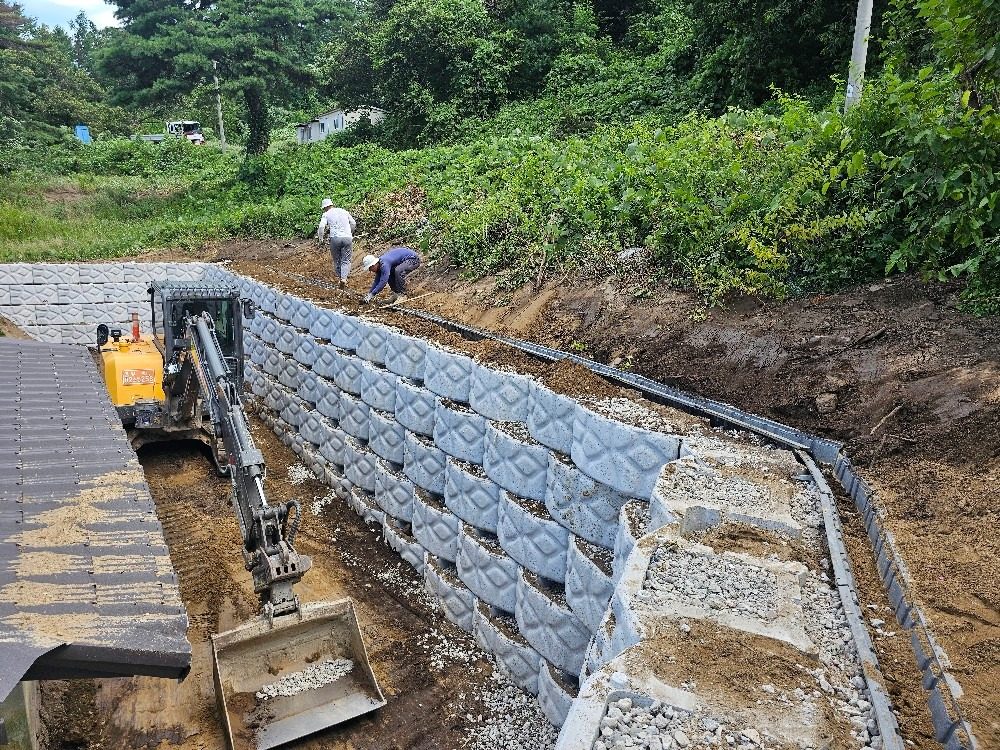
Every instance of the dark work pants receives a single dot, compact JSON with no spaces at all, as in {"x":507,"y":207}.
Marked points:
{"x":397,"y":278}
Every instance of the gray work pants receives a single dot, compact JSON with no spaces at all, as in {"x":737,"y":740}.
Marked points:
{"x":397,"y":279}
{"x":340,"y":252}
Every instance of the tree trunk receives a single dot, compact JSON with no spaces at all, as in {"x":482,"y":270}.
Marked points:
{"x":258,"y":121}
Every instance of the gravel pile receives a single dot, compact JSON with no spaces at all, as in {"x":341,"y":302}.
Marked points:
{"x":716,"y":582}
{"x":628,"y":412}
{"x":700,"y":485}
{"x":312,"y":677}
{"x":510,"y":719}
{"x":318,"y":502}
{"x":446,"y":649}
{"x":297,"y":474}
{"x":518,"y":431}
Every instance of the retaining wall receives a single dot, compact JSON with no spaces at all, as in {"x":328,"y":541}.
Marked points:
{"x":528,"y":514}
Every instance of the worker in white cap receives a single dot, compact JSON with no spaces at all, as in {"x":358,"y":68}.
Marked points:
{"x":391,"y":268}
{"x":339,"y":225}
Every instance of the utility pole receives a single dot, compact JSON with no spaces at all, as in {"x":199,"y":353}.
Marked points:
{"x":859,"y":54}
{"x":218,"y":105}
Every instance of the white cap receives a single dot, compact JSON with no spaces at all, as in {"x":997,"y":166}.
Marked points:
{"x":369,"y":261}
{"x":326,"y":203}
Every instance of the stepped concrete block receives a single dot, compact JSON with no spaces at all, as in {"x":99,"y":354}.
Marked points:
{"x":498,"y":635}
{"x":258,"y":383}
{"x":549,"y":625}
{"x":308,"y":386}
{"x":54,"y":315}
{"x":271,"y":399}
{"x":434,"y":526}
{"x":132,"y":293}
{"x":531,"y":537}
{"x":550,"y":418}
{"x":588,"y":585}
{"x":519,"y":466}
{"x":587,"y":508}
{"x":423,"y":462}
{"x":54,"y":273}
{"x":354,"y":418}
{"x":284,"y":307}
{"x":303,"y":315}
{"x":472,"y":496}
{"x":459,"y":431}
{"x":633,"y":521}
{"x":415,"y":407}
{"x":33,"y":294}
{"x":393,"y":491}
{"x":386,"y":435}
{"x":267,"y":329}
{"x":287,"y":340}
{"x":363,"y":503}
{"x":359,"y":465}
{"x":448,"y":374}
{"x":347,"y":374}
{"x":556,"y":691}
{"x":327,"y":360}
{"x":273,"y":363}
{"x":296,"y":410}
{"x":378,"y":387}
{"x":486,"y":569}
{"x":372,"y":341}
{"x":313,"y":429}
{"x":321,"y":323}
{"x":306,"y":352}
{"x":458,"y":603}
{"x":328,"y":400}
{"x":268,"y":301}
{"x":288,"y":374}
{"x":400,"y":541}
{"x":101,"y":273}
{"x":404,"y":355}
{"x":332,"y":449}
{"x":19,"y":315}
{"x":344,"y":331}
{"x":15,"y":273}
{"x":313,"y":460}
{"x":78,"y":335}
{"x":629,"y":459}
{"x":498,"y":395}
{"x":81,"y":293}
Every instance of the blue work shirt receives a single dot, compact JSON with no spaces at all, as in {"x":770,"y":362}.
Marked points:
{"x":388,"y":261}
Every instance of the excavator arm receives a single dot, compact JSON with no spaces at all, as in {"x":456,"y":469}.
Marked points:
{"x":268,"y":530}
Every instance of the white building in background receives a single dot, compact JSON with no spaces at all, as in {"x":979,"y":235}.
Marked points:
{"x":334,"y":121}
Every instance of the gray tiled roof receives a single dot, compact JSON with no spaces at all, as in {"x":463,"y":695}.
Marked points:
{"x":86,"y":585}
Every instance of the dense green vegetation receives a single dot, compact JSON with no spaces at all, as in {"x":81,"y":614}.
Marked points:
{"x":546,"y":136}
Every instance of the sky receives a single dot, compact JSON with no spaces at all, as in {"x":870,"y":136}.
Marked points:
{"x":61,"y":12}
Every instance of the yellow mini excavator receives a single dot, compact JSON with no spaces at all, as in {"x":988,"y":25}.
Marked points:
{"x":297,"y":668}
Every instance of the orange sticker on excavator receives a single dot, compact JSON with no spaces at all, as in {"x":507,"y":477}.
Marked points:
{"x":138,"y":377}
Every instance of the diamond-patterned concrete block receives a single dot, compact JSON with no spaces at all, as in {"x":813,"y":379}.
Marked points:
{"x":556,"y":691}
{"x":266,"y":329}
{"x":415,"y":407}
{"x":33,"y":294}
{"x":587,"y":508}
{"x":458,"y":603}
{"x":284,"y":307}
{"x":288,"y":375}
{"x":372,"y":341}
{"x":100,"y":273}
{"x":359,"y":465}
{"x":363,"y":503}
{"x":354,"y":418}
{"x":55,"y":315}
{"x":517,"y":464}
{"x":81,"y":293}
{"x":321,"y":324}
{"x":344,"y":331}
{"x":548,"y":624}
{"x":633,"y":521}
{"x":314,"y":429}
{"x":268,"y":301}
{"x":308,"y":386}
{"x":499,"y":395}
{"x":588,"y":581}
{"x":471,"y":495}
{"x":459,"y":431}
{"x":295,"y":411}
{"x":629,"y":459}
{"x":4,"y":296}
{"x":273,"y":363}
{"x":303,"y":315}
{"x":434,"y":526}
{"x":393,"y":491}
{"x":378,"y":387}
{"x":347,"y":374}
{"x":287,"y":340}
{"x":497,"y":634}
{"x":404,"y":355}
{"x":327,"y":399}
{"x":386,"y":435}
{"x":333,"y":448}
{"x":54,"y":273}
{"x":327,"y":360}
{"x":424,"y":462}
{"x":550,"y":418}
{"x":15,"y":273}
{"x":531,"y":537}
{"x":486,"y":569}
{"x":305,"y":353}
{"x":447,"y":373}
{"x":399,"y":539}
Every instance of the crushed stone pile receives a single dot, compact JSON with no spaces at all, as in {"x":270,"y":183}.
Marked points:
{"x":312,"y":677}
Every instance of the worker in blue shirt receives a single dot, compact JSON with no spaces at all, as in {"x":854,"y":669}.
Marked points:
{"x":391,"y":268}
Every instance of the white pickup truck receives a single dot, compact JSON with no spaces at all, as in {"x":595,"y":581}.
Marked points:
{"x":190,"y":129}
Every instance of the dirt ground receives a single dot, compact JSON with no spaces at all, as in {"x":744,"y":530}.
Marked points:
{"x":429,"y":680}
{"x":893,"y":369}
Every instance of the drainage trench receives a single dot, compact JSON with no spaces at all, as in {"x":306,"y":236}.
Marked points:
{"x":678,"y":571}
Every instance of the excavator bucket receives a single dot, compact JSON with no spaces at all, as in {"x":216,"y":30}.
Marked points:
{"x":279,"y":683}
